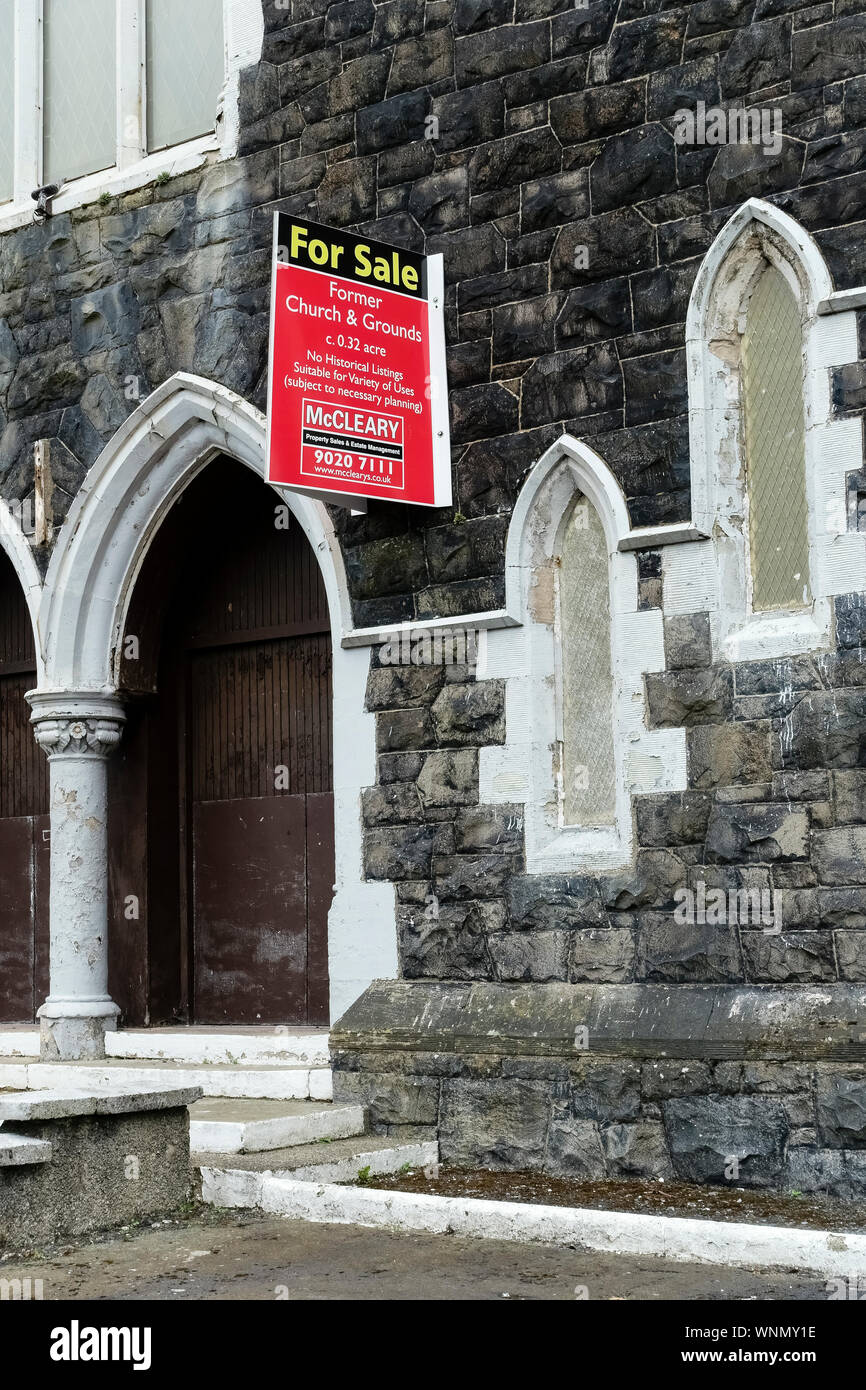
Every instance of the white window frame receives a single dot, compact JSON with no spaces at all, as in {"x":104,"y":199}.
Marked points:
{"x":243,"y":33}
{"x":716,"y":575}
{"x":525,"y":768}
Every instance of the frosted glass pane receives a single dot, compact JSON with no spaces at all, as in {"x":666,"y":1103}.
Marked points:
{"x":588,"y":764}
{"x":7,"y":99}
{"x":79,"y":133}
{"x":775,"y":446}
{"x":185,"y":69}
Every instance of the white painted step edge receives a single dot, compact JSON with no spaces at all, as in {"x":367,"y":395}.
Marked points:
{"x":238,"y":1083}
{"x":196,"y":1048}
{"x":276,"y":1049}
{"x":18,"y":1149}
{"x":610,"y":1232}
{"x":239,"y":1188}
{"x":279,"y":1132}
{"x":13,"y":1076}
{"x":379,"y":1161}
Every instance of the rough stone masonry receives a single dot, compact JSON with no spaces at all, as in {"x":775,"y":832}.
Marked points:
{"x":554,"y":132}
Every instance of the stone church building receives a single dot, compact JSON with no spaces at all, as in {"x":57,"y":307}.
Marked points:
{"x":581,"y":882}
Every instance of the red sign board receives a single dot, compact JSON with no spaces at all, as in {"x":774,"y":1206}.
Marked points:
{"x":357,"y":400}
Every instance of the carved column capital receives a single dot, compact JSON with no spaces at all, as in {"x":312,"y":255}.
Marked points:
{"x":76,"y":724}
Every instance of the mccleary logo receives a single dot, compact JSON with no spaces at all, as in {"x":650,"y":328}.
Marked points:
{"x":77,"y":1343}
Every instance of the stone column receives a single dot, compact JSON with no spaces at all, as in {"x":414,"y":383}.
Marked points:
{"x":78,"y":732}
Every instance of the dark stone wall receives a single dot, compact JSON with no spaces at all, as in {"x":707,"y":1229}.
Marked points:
{"x":752,"y":1087}
{"x":786,"y":1126}
{"x":554,"y":133}
{"x":776,"y":802}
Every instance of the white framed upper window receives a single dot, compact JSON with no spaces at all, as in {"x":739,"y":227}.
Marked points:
{"x":104,"y":95}
{"x":7,"y":100}
{"x":80,"y":40}
{"x":184,"y":69}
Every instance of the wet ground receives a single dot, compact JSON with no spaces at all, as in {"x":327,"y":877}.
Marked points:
{"x":241,"y":1255}
{"x":651,"y":1198}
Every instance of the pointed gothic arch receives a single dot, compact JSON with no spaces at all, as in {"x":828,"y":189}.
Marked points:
{"x":164,"y":444}
{"x":527,"y":769}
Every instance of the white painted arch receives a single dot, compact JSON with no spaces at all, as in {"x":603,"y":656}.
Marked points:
{"x":127,"y":493}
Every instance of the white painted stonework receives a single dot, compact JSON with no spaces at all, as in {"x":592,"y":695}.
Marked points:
{"x":17,"y":547}
{"x":78,"y":732}
{"x":236,"y":1080}
{"x":524,"y":769}
{"x":211,"y":1132}
{"x":219,"y":1046}
{"x":18,"y":1149}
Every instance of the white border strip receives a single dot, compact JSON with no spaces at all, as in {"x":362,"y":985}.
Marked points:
{"x":438,"y":384}
{"x":609,"y":1232}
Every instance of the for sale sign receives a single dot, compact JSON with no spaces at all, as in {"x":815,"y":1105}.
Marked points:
{"x":357,"y":399}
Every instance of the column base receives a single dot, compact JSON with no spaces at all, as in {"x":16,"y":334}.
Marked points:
{"x":75,"y":1036}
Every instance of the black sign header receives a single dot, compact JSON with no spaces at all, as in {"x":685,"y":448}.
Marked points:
{"x":334,"y":252}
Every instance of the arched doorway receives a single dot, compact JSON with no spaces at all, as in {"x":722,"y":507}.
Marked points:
{"x":24,"y":847}
{"x":221,"y":795}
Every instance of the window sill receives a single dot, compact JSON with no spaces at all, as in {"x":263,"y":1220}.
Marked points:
{"x":572,"y":850}
{"x":178,"y":159}
{"x":765,"y":636}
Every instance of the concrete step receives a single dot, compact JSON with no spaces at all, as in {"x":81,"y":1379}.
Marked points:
{"x":251,"y":1126}
{"x":18,"y":1149}
{"x":67,"y":1104}
{"x":240,"y":1185}
{"x":193,"y":1045}
{"x":241,"y":1047}
{"x":19,"y":1041}
{"x":267,"y":1082}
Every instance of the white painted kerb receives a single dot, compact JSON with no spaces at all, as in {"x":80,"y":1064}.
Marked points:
{"x":609,"y":1232}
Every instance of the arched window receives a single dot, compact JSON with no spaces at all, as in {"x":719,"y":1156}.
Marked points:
{"x":769,"y":457}
{"x":775,"y":445}
{"x":573,"y":652}
{"x":587,"y":764}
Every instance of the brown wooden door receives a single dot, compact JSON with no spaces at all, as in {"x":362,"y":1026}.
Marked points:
{"x":239,"y":861}
{"x":24,"y":844}
{"x":259,"y":788}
